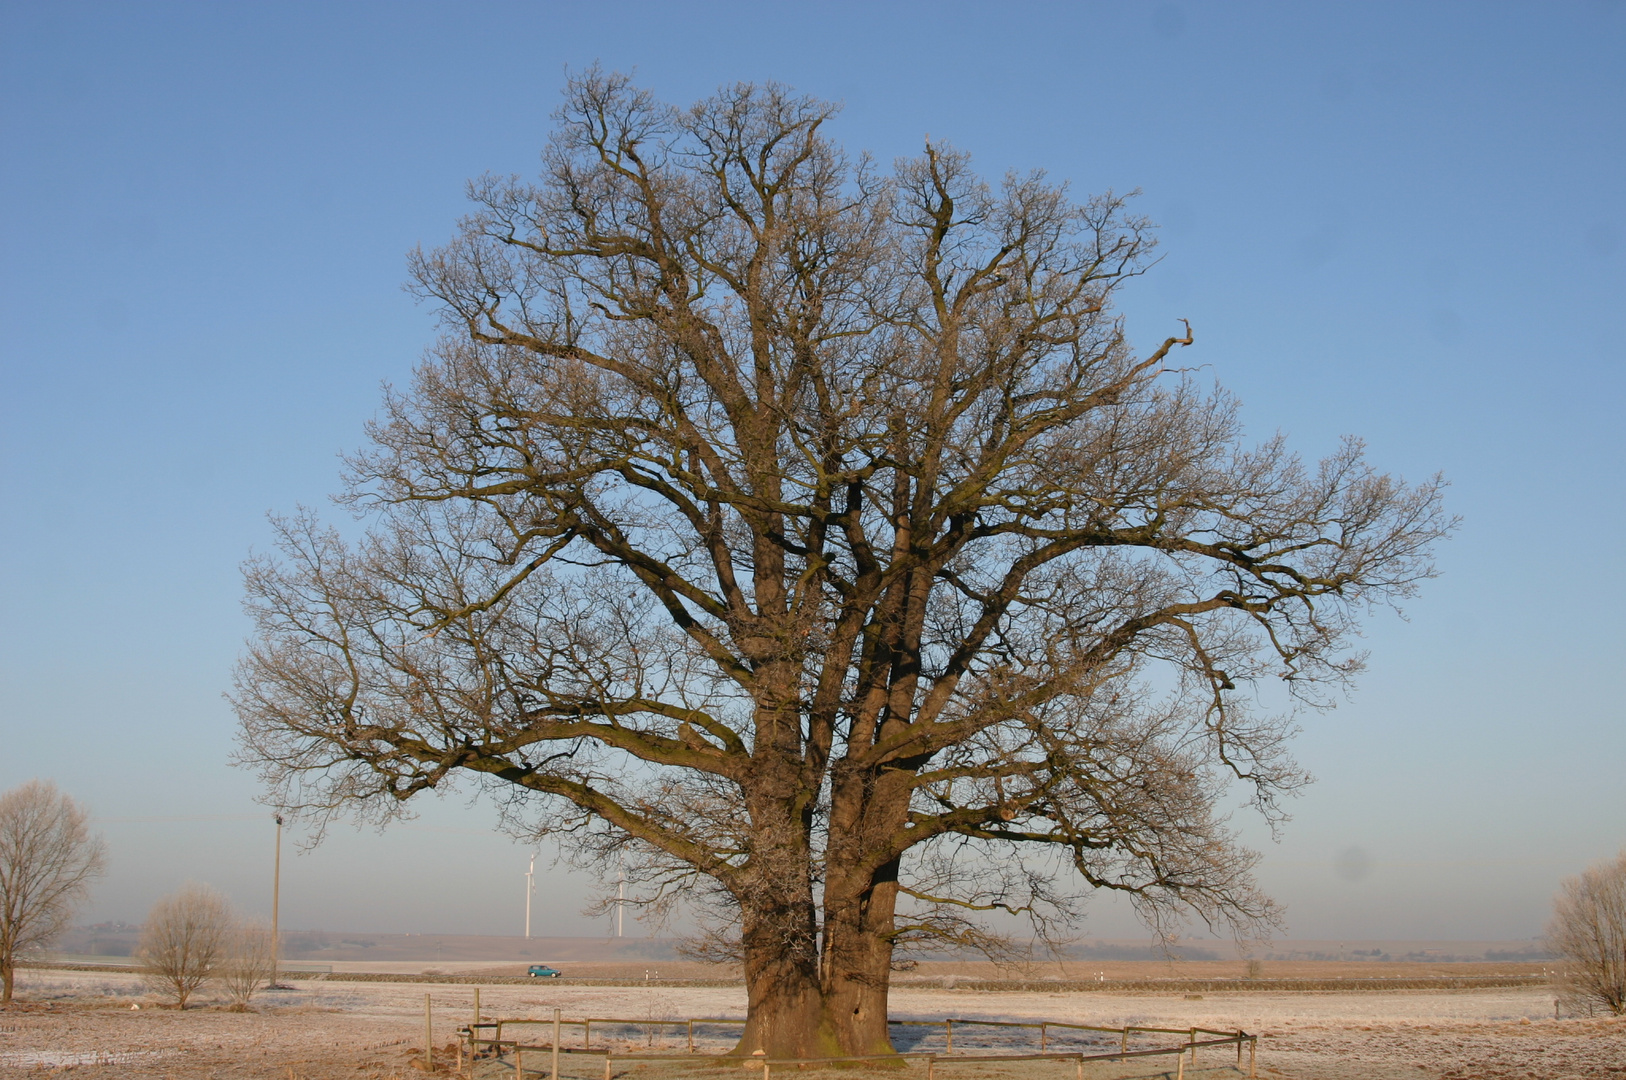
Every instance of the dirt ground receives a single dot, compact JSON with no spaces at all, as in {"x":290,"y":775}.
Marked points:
{"x":83,"y":1024}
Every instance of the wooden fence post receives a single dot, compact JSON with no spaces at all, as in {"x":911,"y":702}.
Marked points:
{"x":691,"y":1036}
{"x":428,"y":1038}
{"x":1123,"y":1049}
{"x":587,"y":1033}
{"x":1253,"y":1050}
{"x":519,"y":1067}
{"x":606,"y":1061}
{"x":556,"y":1044}
{"x":948,"y":1035}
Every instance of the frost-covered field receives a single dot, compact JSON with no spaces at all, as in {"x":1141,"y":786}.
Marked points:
{"x":319,"y":1030}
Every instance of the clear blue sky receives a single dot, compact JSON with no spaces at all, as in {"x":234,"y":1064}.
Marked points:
{"x":1405,"y":221}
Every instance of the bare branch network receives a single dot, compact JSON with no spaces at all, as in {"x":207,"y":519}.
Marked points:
{"x":48,"y":860}
{"x":1588,"y":929}
{"x":812,"y":534}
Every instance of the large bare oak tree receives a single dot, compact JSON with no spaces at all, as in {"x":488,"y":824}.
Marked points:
{"x":811,"y":536}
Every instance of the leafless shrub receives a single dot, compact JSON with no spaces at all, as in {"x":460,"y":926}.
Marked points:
{"x":47,"y":862}
{"x":185,"y":940}
{"x":658,"y":1016}
{"x":250,"y":963}
{"x":1588,"y":930}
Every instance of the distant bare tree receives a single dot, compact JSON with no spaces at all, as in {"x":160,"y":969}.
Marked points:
{"x":814,"y":537}
{"x":1588,"y":930}
{"x":249,"y":963}
{"x":47,"y":862}
{"x":185,"y":940}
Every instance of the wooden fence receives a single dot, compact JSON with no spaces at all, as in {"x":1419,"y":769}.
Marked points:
{"x":486,"y":1039}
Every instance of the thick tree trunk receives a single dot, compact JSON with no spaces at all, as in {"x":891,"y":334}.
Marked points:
{"x":8,"y":975}
{"x":793,"y":1012}
{"x":808,"y":999}
{"x":779,"y":927}
{"x":860,"y":902}
{"x":858,"y":923}
{"x":784,"y":1007}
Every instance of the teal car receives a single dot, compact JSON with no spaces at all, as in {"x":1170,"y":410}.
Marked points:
{"x":543,"y":971}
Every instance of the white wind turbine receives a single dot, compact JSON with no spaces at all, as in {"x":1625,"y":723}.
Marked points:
{"x":530,"y":887}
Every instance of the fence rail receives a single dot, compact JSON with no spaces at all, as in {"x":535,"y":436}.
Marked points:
{"x":474,"y":1038}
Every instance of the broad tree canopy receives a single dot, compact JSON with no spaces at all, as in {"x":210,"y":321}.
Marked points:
{"x":813,"y":535}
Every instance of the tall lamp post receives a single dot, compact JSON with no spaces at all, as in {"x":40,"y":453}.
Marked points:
{"x":276,"y":896}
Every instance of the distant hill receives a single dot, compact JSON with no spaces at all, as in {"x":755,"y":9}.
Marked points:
{"x":328,"y":945}
{"x":119,"y":939}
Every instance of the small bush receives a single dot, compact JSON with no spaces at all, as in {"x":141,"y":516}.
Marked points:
{"x":1588,"y":930}
{"x":184,"y":941}
{"x":250,"y":963}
